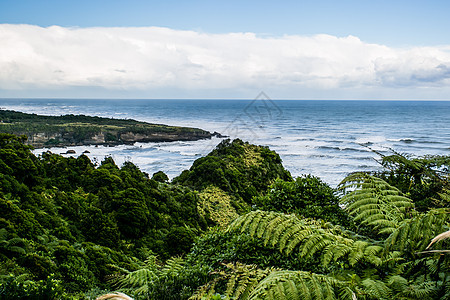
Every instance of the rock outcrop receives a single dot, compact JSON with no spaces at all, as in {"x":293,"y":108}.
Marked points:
{"x":72,"y":130}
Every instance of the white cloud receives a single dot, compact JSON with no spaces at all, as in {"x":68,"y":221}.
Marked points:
{"x":147,"y":58}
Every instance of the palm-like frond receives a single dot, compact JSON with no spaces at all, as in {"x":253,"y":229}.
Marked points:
{"x":445,"y":195}
{"x":372,"y":201}
{"x":295,"y":285}
{"x":416,"y":168}
{"x":14,"y":245}
{"x":173,"y":266}
{"x":376,"y":289}
{"x":414,"y":234}
{"x":240,"y":281}
{"x":249,"y":282}
{"x":307,"y":237}
{"x":138,"y":281}
{"x":401,"y":288}
{"x":141,"y":280}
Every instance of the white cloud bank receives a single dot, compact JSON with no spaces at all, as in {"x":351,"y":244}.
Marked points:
{"x":151,"y":58}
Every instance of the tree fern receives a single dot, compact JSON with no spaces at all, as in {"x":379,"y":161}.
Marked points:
{"x":173,"y":267}
{"x":416,"y":233}
{"x":249,"y":282}
{"x":307,"y":237}
{"x":150,"y":278}
{"x":401,"y":288}
{"x":396,"y":273}
{"x":445,"y":195}
{"x":295,"y":285}
{"x":284,"y":284}
{"x":140,"y":281}
{"x":423,"y":291}
{"x":416,"y":168}
{"x":10,"y":246}
{"x":240,"y":280}
{"x":372,"y":201}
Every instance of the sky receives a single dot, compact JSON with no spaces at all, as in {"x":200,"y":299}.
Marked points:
{"x":225,"y":49}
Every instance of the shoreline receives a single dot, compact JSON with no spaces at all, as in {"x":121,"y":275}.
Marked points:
{"x":81,"y":130}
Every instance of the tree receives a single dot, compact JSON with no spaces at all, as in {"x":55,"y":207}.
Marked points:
{"x":381,"y":266}
{"x":10,"y":246}
{"x":240,"y":169}
{"x":161,"y":177}
{"x":307,"y":196}
{"x":131,"y":212}
{"x":422,"y":179}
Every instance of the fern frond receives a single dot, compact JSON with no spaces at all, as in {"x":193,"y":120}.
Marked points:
{"x":397,"y":283}
{"x":295,"y":285}
{"x":376,"y":289}
{"x":372,"y":201}
{"x":372,"y":254}
{"x":321,"y":240}
{"x":334,"y":252}
{"x":173,"y":266}
{"x":278,"y":221}
{"x":293,"y":236}
{"x":423,"y":291}
{"x":357,"y":252}
{"x":306,"y":237}
{"x":240,"y":281}
{"x":139,"y":281}
{"x":413,"y":234}
{"x":137,"y":278}
{"x":277,"y":232}
{"x":249,"y":282}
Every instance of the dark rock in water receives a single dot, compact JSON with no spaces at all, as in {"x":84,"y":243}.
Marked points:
{"x":70,"y":152}
{"x":216,"y":134}
{"x":86,"y":151}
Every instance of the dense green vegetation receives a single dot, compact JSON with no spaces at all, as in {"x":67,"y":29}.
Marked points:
{"x":239,"y":169}
{"x":85,"y":130}
{"x":421,"y":179}
{"x":236,"y":225}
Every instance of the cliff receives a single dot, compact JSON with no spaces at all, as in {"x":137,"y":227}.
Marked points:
{"x":74,"y":130}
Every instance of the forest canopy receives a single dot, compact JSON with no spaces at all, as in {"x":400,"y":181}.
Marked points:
{"x":236,"y":225}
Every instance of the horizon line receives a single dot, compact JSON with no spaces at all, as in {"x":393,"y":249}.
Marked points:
{"x":215,"y":99}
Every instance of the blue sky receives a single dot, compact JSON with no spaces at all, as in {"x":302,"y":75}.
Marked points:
{"x":394,"y":22}
{"x":338,"y":49}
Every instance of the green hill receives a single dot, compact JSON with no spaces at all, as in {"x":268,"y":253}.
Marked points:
{"x":71,"y":130}
{"x":235,"y":225}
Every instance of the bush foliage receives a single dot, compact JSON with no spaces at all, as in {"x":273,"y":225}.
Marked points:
{"x":230,"y":226}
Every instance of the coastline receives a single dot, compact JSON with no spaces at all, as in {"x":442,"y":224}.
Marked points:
{"x":80,"y":130}
{"x":312,"y":137}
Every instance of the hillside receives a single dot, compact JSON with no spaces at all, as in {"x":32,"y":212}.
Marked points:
{"x":236,"y":224}
{"x":73,"y":130}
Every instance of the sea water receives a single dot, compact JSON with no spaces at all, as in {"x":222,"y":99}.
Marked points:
{"x":328,"y":139}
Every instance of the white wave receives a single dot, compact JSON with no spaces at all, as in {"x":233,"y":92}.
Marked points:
{"x":370,"y":139}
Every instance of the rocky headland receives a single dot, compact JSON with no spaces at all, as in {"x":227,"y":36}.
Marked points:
{"x":77,"y":130}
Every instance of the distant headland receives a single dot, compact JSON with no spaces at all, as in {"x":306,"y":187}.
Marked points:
{"x":76,"y":130}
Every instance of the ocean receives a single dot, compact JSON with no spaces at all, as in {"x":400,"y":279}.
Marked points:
{"x":328,"y":139}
